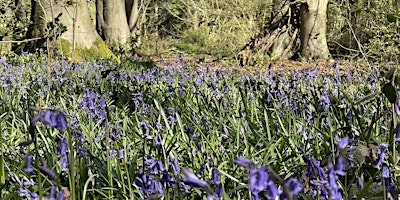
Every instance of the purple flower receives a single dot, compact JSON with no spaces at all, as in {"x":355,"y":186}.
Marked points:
{"x":64,"y":162}
{"x":333,"y":187}
{"x":52,"y":193}
{"x":259,"y":181}
{"x":396,"y":131}
{"x":342,"y":143}
{"x":214,"y":177}
{"x":294,"y":187}
{"x":48,"y":172}
{"x":340,"y":167}
{"x":22,"y":192}
{"x":200,"y":170}
{"x":381,"y":155}
{"x":175,"y":167}
{"x":112,"y":153}
{"x":243,"y":162}
{"x":61,"y":146}
{"x":360,"y":183}
{"x":33,"y":195}
{"x":324,"y":101}
{"x":218,"y":190}
{"x":29,"y":182}
{"x":60,"y":195}
{"x":121,"y":154}
{"x":51,"y":118}
{"x":385,"y":172}
{"x":192,"y":180}
{"x":28,"y":162}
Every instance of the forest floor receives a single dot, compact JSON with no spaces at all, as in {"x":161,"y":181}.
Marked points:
{"x":285,"y":67}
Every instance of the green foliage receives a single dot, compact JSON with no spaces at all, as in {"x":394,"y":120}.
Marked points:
{"x":14,"y":22}
{"x":373,"y":25}
{"x":205,"y":27}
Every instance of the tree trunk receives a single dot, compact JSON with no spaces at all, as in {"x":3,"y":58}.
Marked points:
{"x":132,"y":11}
{"x":280,"y":21}
{"x":114,"y":28}
{"x":313,"y":15}
{"x":52,"y":19}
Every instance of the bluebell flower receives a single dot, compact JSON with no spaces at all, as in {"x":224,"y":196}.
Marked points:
{"x":29,"y":182}
{"x":396,"y":131}
{"x":48,"y":172}
{"x":121,"y":154}
{"x":342,"y":143}
{"x":28,"y":164}
{"x":200,"y":170}
{"x":64,"y":162}
{"x":22,"y":192}
{"x":192,"y":180}
{"x":259,"y":182}
{"x":175,"y":167}
{"x":294,"y":187}
{"x":243,"y":162}
{"x":154,"y":166}
{"x":49,"y":117}
{"x":214,"y":177}
{"x":333,"y":187}
{"x":218,"y":190}
{"x":112,"y":153}
{"x":324,"y":101}
{"x":360,"y":183}
{"x":33,"y":195}
{"x":52,"y":193}
{"x":381,"y":155}
{"x":60,"y":195}
{"x":340,"y":167}
{"x":62,"y":145}
{"x":166,"y":179}
{"x":385,"y":172}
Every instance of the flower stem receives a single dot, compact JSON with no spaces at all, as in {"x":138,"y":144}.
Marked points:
{"x":281,"y":181}
{"x":71,"y":166}
{"x":39,"y":174}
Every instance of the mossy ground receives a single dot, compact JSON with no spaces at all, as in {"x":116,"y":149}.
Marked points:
{"x":99,"y":50}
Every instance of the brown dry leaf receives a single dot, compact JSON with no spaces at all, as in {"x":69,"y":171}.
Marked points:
{"x":67,"y":193}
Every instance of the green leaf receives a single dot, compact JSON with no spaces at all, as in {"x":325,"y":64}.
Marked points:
{"x":360,"y":153}
{"x":392,"y":18}
{"x":397,"y":79}
{"x":389,"y":74}
{"x":367,"y":98}
{"x":390,"y":92}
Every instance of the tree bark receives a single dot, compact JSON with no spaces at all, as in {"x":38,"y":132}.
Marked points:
{"x":132,"y":11}
{"x":115,"y":29}
{"x":313,"y":15}
{"x":21,"y":6}
{"x":281,"y":43}
{"x":49,"y":18}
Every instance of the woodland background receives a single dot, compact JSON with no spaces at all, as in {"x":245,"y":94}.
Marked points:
{"x":237,"y":31}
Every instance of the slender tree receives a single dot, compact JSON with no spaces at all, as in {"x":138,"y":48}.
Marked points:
{"x":313,"y":29}
{"x":116,"y":20}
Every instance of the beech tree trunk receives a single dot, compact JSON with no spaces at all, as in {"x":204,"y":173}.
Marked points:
{"x":313,"y":14}
{"x":116,"y":20}
{"x":58,"y":18}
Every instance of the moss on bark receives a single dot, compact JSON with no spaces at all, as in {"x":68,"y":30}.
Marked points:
{"x":98,"y":50}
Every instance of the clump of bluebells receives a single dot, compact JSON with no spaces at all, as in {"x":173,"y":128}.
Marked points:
{"x":205,"y":118}
{"x":261,"y":182}
{"x":50,"y":118}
